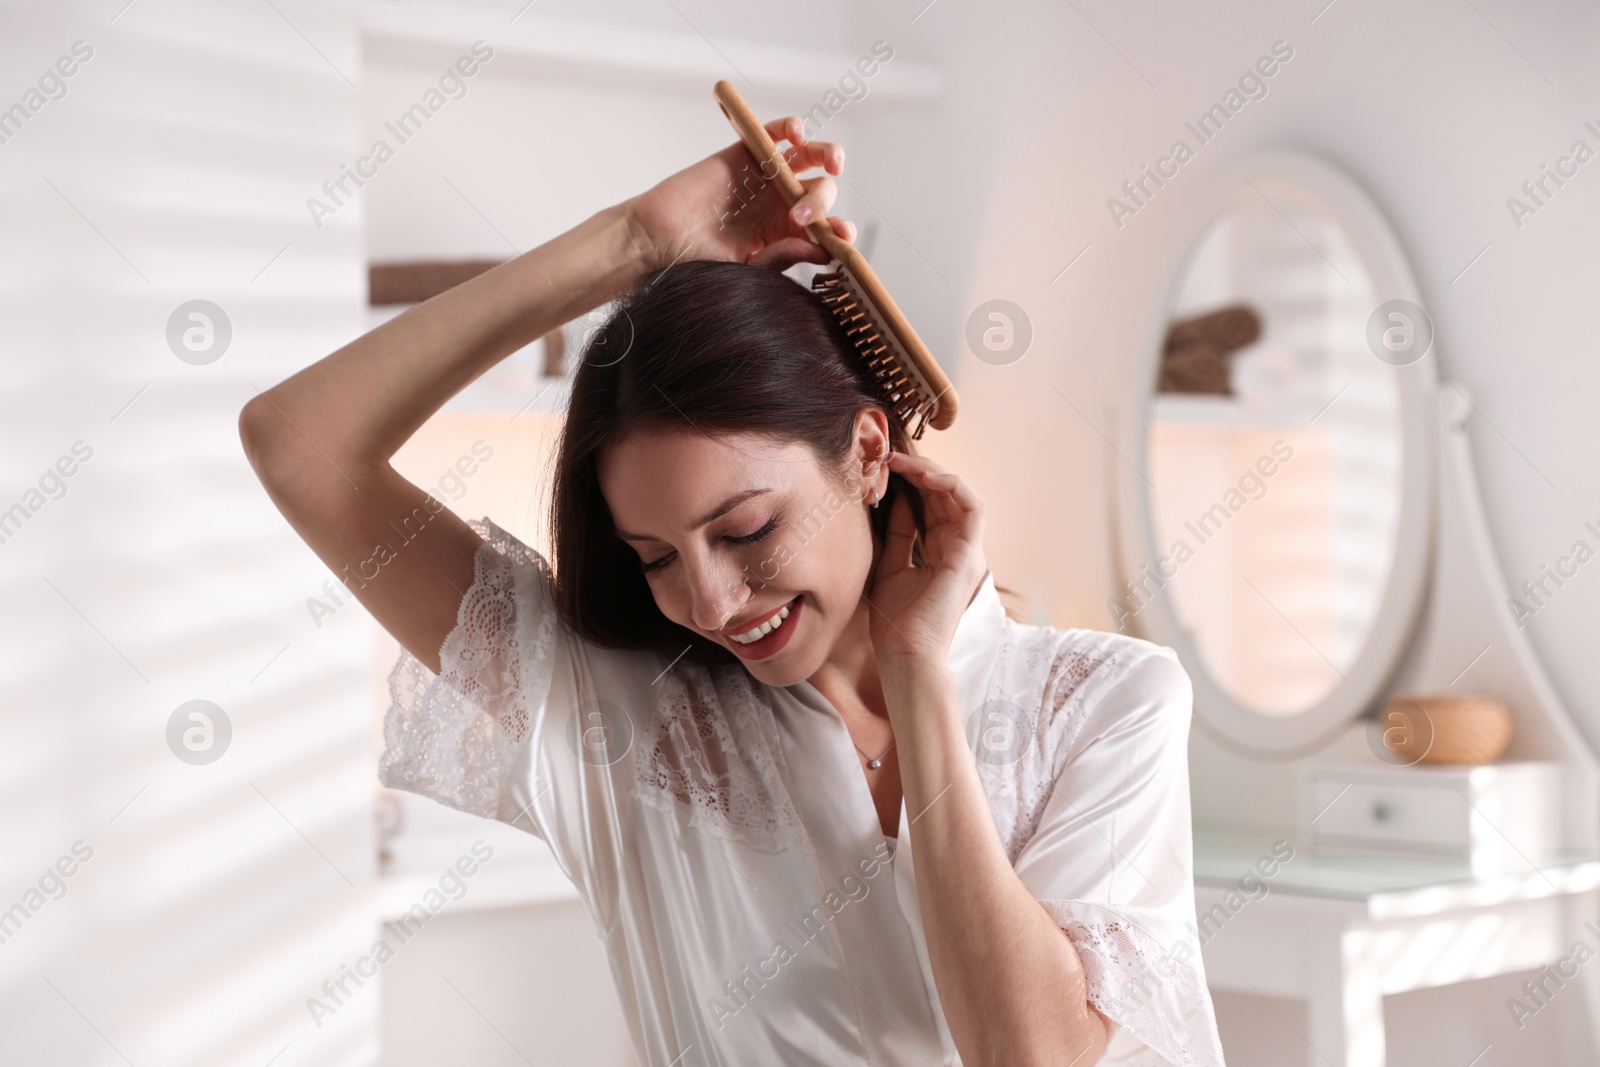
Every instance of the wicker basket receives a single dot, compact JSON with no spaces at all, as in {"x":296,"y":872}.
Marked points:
{"x":1454,"y":728}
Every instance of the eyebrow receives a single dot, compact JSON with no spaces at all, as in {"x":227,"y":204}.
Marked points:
{"x":715,"y":513}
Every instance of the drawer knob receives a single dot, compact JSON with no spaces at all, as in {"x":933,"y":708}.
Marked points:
{"x":1381,"y":812}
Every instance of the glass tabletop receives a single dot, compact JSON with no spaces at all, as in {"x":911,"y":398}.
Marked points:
{"x":1242,"y":857}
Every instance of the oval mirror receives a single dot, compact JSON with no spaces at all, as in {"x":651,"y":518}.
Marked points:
{"x":1285,"y":474}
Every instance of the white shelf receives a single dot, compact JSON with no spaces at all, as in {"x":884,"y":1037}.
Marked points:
{"x":521,"y":868}
{"x":513,"y":885}
{"x":418,"y":29}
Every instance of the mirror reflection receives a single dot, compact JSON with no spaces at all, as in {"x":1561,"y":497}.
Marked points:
{"x":1274,"y":447}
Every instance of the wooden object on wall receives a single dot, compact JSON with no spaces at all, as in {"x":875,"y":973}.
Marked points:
{"x":412,"y":283}
{"x":555,"y":353}
{"x":1196,"y":355}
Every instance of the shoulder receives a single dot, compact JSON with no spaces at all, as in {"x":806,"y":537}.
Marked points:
{"x":1114,"y":707}
{"x":1066,"y":661}
{"x":1098,"y":680}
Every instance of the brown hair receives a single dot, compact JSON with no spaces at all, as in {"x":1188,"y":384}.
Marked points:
{"x":710,"y":347}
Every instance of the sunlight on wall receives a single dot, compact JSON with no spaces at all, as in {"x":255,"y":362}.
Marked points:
{"x":208,"y":900}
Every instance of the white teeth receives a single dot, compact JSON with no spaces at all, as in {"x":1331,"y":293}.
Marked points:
{"x":764,"y":629}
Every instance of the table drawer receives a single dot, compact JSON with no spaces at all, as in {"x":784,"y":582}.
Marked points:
{"x":1421,"y":816}
{"x":1501,"y":817}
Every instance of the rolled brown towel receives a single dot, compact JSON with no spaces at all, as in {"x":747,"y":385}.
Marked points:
{"x":1196,"y":354}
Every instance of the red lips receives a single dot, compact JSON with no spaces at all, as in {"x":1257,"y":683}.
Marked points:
{"x":773,"y":641}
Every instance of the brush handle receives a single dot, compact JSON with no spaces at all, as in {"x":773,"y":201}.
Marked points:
{"x":776,"y":169}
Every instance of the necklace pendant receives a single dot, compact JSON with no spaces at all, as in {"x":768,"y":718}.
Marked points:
{"x":874,"y":764}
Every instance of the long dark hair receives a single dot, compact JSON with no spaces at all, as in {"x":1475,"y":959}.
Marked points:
{"x":709,"y":347}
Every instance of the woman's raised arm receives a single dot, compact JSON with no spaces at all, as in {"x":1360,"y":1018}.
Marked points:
{"x":321,"y":440}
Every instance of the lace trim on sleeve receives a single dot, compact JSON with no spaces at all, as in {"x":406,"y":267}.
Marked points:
{"x":1140,"y":986}
{"x":453,"y":736}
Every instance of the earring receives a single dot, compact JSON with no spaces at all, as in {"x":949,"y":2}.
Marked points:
{"x":874,"y":497}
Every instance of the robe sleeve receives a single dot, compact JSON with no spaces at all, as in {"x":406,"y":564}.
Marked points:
{"x":1112,"y":863}
{"x":456,"y":736}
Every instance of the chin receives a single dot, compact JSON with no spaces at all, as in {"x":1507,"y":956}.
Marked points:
{"x":781,"y":670}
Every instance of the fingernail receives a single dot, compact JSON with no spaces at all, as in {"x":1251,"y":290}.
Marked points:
{"x":802,"y":214}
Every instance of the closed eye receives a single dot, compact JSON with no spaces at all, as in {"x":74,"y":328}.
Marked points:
{"x":760,"y":535}
{"x":745,"y":539}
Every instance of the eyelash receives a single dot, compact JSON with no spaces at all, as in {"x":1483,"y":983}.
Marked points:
{"x":748,"y":539}
{"x":760,"y":535}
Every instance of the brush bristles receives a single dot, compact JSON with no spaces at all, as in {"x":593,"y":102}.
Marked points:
{"x":899,"y":383}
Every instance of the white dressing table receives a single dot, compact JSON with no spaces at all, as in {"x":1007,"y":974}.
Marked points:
{"x":1343,"y":933}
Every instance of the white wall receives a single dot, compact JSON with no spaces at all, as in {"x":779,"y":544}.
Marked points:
{"x":218,"y":897}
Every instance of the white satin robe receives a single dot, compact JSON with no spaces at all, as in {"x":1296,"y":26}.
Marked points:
{"x":723,"y":837}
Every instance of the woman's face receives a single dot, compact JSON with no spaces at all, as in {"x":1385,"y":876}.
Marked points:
{"x":733,"y":528}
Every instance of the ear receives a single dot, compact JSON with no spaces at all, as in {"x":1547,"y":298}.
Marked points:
{"x":870,"y":452}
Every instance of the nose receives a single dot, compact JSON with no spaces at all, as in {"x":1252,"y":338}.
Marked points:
{"x":717,"y":590}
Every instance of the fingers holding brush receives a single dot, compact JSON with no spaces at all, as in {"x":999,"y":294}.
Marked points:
{"x":804,"y":154}
{"x":816,"y":154}
{"x":798,"y":245}
{"x":820,"y":193}
{"x":788,"y":239}
{"x":786,"y":252}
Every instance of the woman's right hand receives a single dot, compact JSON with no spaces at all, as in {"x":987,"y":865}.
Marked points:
{"x":707,"y":211}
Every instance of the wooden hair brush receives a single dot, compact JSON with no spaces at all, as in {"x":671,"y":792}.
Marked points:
{"x":908,"y":377}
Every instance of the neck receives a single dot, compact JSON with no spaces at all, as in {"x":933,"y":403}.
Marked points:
{"x":850,"y":673}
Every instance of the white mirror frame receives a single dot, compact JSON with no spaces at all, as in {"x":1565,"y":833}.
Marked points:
{"x":1275,"y":173}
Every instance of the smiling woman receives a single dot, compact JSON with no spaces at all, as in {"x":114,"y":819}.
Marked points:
{"x":769,"y":657}
{"x":715,"y":457}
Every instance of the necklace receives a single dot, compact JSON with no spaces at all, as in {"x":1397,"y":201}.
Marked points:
{"x":873,"y":763}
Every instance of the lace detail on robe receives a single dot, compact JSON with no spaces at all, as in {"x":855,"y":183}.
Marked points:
{"x":701,"y":717}
{"x":1137,"y":984}
{"x":454,"y":736}
{"x":1019,"y":775}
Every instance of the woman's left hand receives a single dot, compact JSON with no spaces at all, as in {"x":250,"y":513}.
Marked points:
{"x":916,"y":609}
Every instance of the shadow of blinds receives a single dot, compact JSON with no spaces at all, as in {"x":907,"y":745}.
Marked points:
{"x":154,"y":910}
